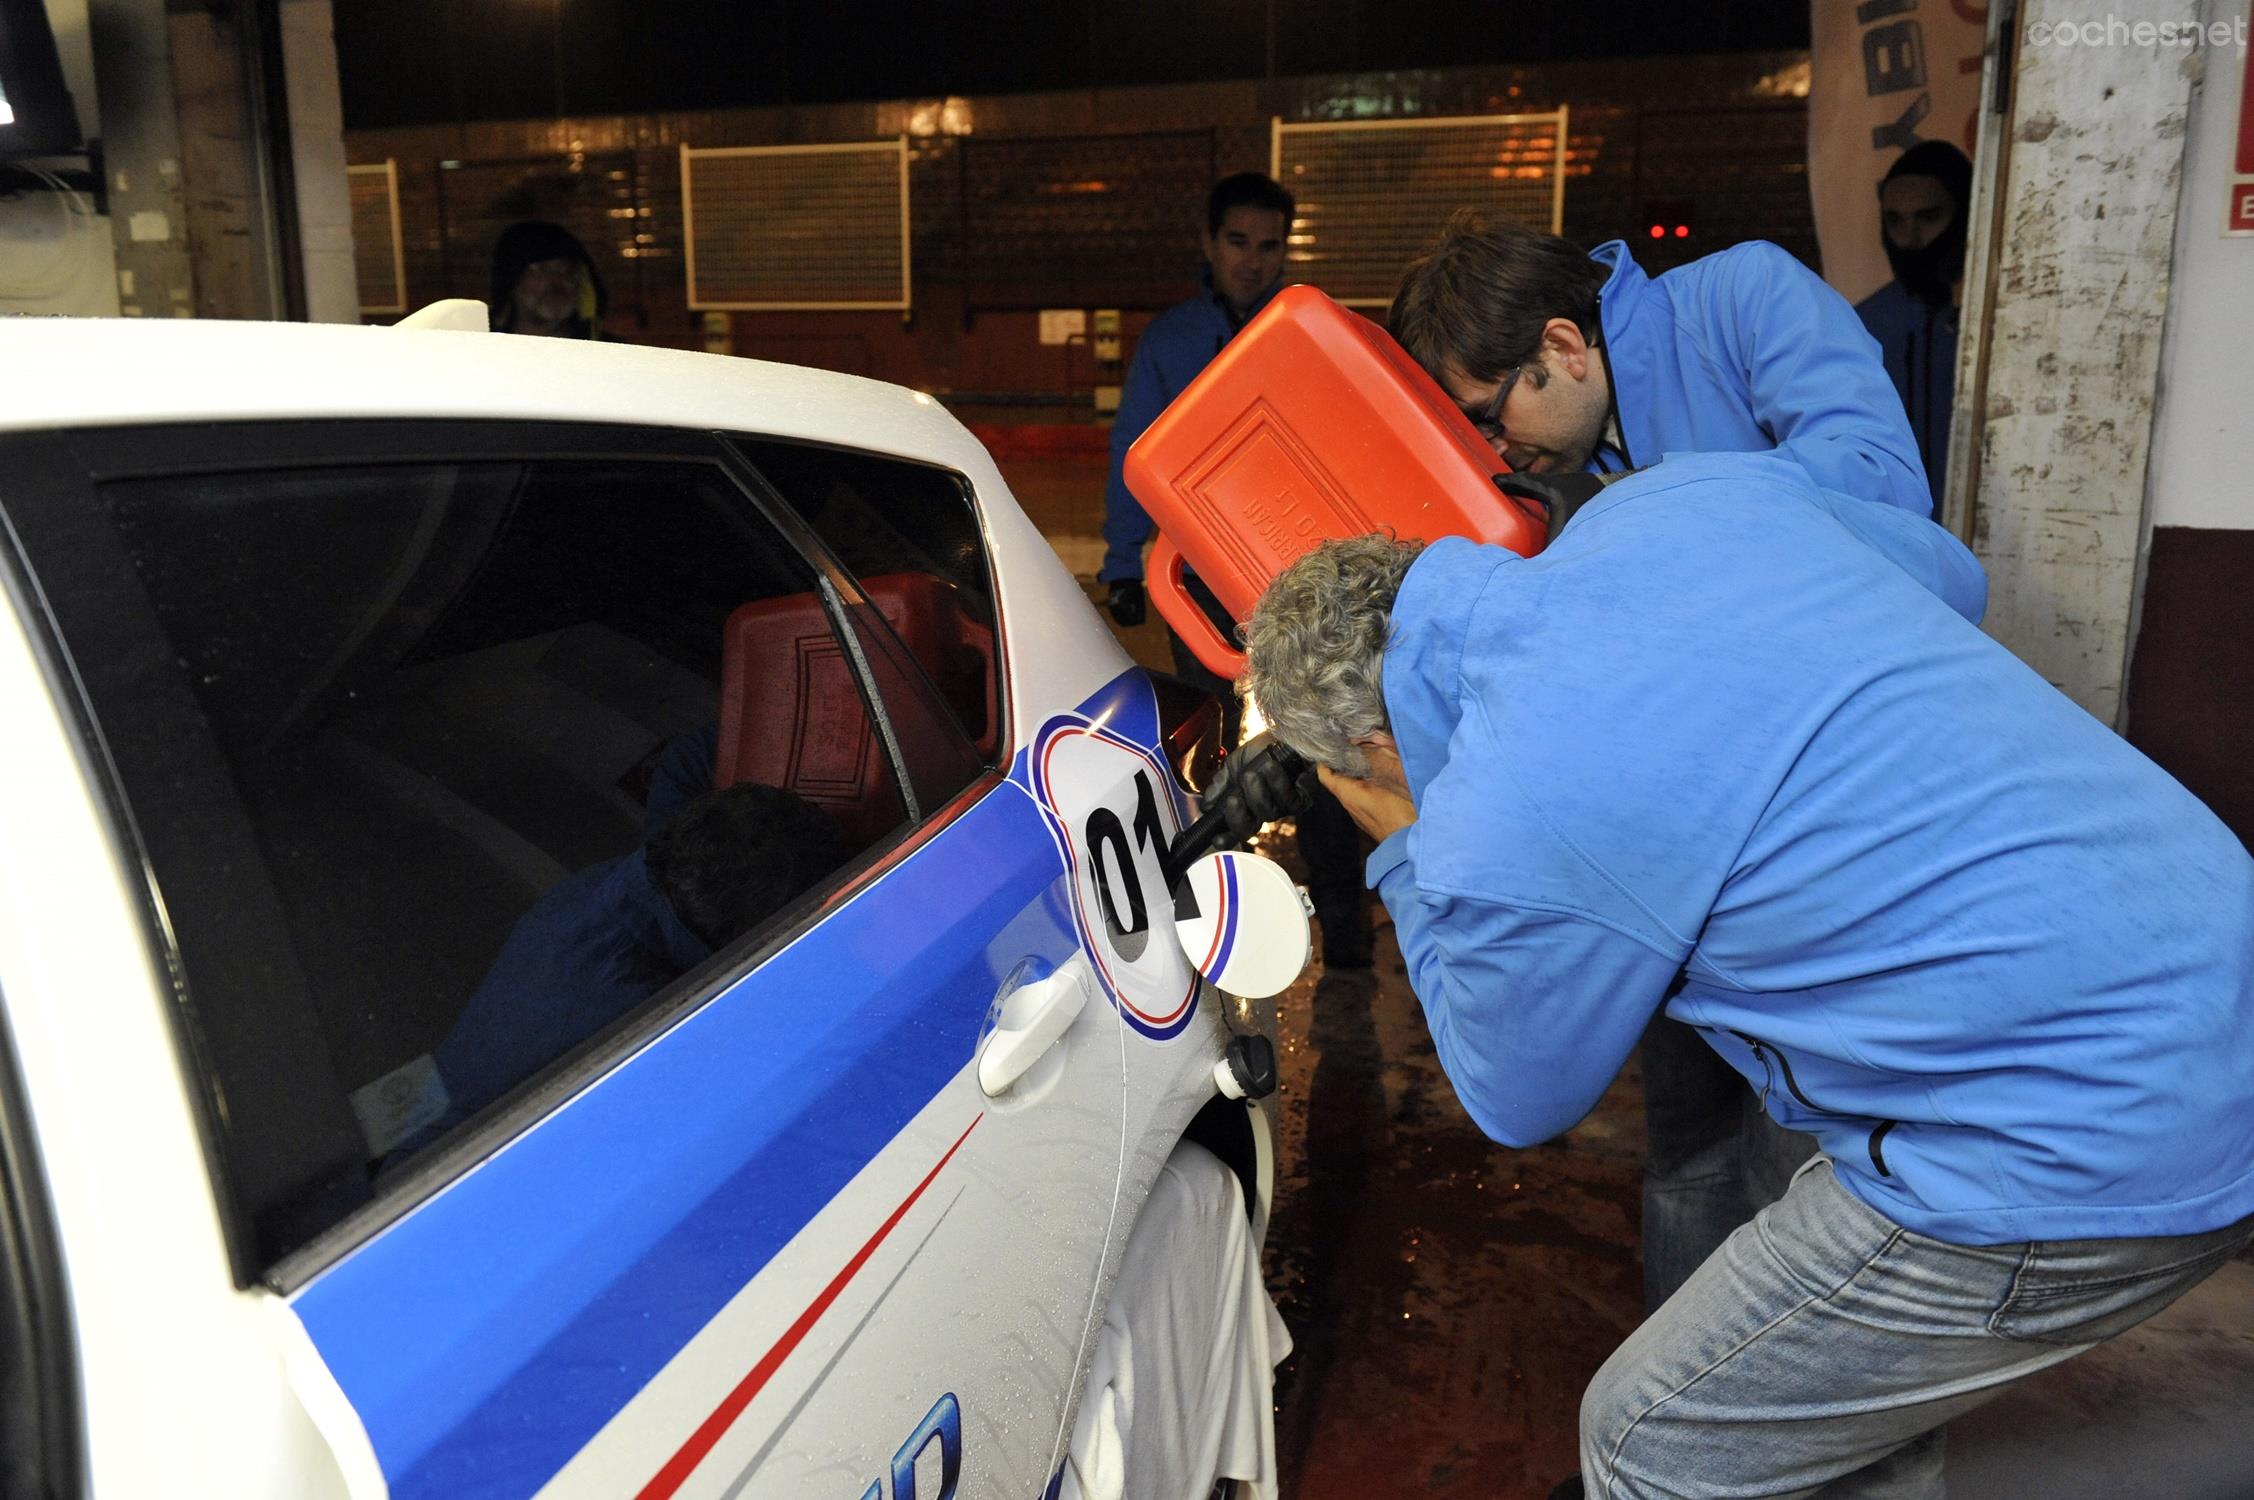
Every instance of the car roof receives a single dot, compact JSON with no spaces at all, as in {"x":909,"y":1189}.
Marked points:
{"x":81,"y":372}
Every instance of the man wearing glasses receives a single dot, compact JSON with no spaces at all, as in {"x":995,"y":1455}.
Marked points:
{"x":1571,"y":363}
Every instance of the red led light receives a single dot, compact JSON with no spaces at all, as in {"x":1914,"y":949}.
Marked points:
{"x":1658,"y":231}
{"x":1682,"y":231}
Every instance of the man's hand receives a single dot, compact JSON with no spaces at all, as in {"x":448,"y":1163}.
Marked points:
{"x":1263,"y":781}
{"x":1377,"y":808}
{"x":1126,"y":601}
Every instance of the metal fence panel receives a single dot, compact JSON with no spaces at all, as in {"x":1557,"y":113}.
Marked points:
{"x":378,"y":257}
{"x":1373,"y":193}
{"x":797,"y":228}
{"x":1085,"y":220}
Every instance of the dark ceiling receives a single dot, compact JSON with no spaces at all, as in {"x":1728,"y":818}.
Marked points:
{"x":409,"y":62}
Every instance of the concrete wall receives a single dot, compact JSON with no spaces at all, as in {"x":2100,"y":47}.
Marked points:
{"x":56,"y":256}
{"x":2072,"y":308}
{"x":2191,"y":683}
{"x":324,"y":202}
{"x":2205,"y":428}
{"x":179,"y":114}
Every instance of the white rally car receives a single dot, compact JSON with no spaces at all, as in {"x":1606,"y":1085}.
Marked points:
{"x":586,"y":920}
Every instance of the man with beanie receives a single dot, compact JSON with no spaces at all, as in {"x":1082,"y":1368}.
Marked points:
{"x":544,"y":283}
{"x":1922,"y":206}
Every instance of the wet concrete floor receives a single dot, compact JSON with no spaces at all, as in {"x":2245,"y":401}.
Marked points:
{"x":1449,"y":1297}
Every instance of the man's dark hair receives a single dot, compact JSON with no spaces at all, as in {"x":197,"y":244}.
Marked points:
{"x":1248,"y":190}
{"x":732,"y":858}
{"x":1940,"y":161}
{"x":1477,"y":301}
{"x":1931,"y":271}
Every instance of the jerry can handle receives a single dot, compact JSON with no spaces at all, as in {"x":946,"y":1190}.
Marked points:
{"x":1171,"y":594}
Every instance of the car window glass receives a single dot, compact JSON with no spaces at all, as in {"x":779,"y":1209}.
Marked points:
{"x":497,"y":752}
{"x":909,"y":535}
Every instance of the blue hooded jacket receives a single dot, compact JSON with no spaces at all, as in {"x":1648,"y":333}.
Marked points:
{"x":1179,"y":343}
{"x":1747,"y":350}
{"x":1722,"y":742}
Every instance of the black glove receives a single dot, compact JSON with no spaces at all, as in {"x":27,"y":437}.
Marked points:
{"x":1263,"y":781}
{"x":1126,"y":601}
{"x":1559,"y":495}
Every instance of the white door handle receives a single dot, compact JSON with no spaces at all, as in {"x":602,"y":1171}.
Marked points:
{"x":1034,"y":1018}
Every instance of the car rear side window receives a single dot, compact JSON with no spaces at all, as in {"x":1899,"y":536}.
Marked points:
{"x":446,"y":770}
{"x":910,"y":534}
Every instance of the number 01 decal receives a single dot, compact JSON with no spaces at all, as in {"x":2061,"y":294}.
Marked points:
{"x":1112,"y":808}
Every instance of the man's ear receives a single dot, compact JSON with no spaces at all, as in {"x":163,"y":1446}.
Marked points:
{"x":1564,"y":347}
{"x":1383,"y":754}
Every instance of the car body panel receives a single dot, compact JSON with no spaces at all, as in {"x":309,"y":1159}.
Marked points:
{"x":762,"y":1252}
{"x":180,"y":1374}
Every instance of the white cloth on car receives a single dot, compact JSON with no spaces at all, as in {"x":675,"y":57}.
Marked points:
{"x":1180,"y":1386}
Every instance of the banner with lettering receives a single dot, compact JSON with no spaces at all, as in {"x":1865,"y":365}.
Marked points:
{"x":1887,"y":74}
{"x":2240,"y":219}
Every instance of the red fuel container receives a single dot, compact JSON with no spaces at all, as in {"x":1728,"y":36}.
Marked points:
{"x":1311,"y":424}
{"x":791,"y":713}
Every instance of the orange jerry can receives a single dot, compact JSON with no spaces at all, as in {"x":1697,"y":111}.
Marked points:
{"x":1311,"y":424}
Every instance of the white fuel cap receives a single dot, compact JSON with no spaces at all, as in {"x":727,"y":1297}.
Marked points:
{"x":1243,"y":923}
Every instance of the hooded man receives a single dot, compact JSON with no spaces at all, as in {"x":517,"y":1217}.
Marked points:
{"x":544,"y":283}
{"x":1731,"y":747}
{"x":1922,"y":206}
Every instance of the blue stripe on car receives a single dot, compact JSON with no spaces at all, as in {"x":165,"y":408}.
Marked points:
{"x":1229,"y":908}
{"x":486,"y":1337}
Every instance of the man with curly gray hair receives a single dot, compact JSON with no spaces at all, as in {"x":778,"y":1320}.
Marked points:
{"x":1316,"y":648}
{"x":1731,"y":747}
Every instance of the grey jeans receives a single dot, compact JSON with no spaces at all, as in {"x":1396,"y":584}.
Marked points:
{"x":1823,"y":1347}
{"x":1713,"y":1159}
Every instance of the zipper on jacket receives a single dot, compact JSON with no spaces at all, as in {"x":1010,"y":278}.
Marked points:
{"x":1613,"y":417}
{"x":1764,"y":1053}
{"x":1768,"y":1074}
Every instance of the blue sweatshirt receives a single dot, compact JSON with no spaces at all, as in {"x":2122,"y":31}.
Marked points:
{"x":1918,"y":342}
{"x":1747,"y":350}
{"x":1997,"y":961}
{"x":1179,"y":343}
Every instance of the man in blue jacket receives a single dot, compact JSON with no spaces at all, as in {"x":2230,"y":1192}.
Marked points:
{"x":1247,"y":217}
{"x":1579,"y":362}
{"x":1731,"y":747}
{"x":1570,"y":361}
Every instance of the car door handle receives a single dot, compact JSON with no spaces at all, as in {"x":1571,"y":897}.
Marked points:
{"x":1034,"y":1017}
